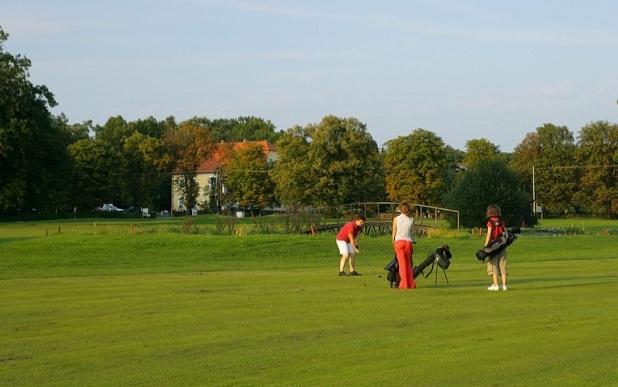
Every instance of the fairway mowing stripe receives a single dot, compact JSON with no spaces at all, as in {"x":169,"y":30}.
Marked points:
{"x":178,"y":309}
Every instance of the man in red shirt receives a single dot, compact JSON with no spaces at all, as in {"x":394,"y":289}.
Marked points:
{"x":347,"y":242}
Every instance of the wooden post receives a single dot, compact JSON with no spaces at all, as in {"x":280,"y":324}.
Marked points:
{"x":457,"y":220}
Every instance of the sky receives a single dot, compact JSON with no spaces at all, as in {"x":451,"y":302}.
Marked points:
{"x":461,"y":69}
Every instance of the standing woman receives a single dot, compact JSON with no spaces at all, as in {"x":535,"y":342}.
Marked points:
{"x":403,"y":229}
{"x":497,"y":263}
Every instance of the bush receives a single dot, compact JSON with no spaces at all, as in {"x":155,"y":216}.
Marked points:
{"x":489,"y":182}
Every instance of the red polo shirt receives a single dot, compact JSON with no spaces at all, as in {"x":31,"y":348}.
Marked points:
{"x":348,"y":228}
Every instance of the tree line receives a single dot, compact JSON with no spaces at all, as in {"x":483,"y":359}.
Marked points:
{"x":48,"y":165}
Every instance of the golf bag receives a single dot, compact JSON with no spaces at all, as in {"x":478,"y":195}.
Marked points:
{"x":393,"y":273}
{"x":442,"y":256}
{"x":496,"y":246}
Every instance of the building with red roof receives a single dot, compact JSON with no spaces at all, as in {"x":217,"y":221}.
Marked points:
{"x":207,"y":170}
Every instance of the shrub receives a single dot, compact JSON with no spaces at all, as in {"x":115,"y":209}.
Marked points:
{"x":489,"y":182}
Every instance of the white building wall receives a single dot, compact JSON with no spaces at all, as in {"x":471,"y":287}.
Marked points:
{"x":203,"y":181}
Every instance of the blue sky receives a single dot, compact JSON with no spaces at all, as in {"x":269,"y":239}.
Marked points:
{"x":462,"y":69}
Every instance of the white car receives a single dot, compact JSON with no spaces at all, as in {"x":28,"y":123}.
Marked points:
{"x":109,"y":207}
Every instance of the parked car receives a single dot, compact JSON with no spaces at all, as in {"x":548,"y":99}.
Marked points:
{"x":109,"y":207}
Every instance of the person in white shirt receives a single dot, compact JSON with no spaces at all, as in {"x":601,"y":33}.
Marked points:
{"x":403,"y":230}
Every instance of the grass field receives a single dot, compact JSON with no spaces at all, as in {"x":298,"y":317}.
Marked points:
{"x":116,"y":305}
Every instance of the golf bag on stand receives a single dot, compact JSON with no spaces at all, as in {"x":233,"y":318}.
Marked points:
{"x":393,"y":273}
{"x":441,"y":256}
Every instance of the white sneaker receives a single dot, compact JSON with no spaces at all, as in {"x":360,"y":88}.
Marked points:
{"x":493,"y":288}
{"x":504,"y":288}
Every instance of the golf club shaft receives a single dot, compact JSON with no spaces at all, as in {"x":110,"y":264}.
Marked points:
{"x":367,"y":263}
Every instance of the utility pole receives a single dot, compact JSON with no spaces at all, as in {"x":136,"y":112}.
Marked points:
{"x":533,"y":194}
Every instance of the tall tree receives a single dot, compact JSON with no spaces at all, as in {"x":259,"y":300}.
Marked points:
{"x":293,"y":173}
{"x":114,"y":131}
{"x":454,"y":164}
{"x":242,"y":128}
{"x":525,"y":156}
{"x":149,"y":127}
{"x":489,"y":182}
{"x":549,"y":149}
{"x":415,"y":167}
{"x":188,"y":144}
{"x":246,"y":177}
{"x":91,"y":186}
{"x":597,"y":152}
{"x":72,"y":132}
{"x":121,"y":165}
{"x":480,"y":149}
{"x":33,"y":157}
{"x":329,"y":163}
{"x":112,"y":136}
{"x":346,"y":160}
{"x":145,"y":162}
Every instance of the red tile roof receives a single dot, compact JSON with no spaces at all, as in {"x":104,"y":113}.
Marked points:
{"x":220,"y":150}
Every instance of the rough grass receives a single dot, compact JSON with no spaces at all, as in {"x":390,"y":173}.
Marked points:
{"x":80,"y":308}
{"x":585,"y":225}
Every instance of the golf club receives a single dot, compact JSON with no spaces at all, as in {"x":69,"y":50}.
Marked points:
{"x":371,"y":267}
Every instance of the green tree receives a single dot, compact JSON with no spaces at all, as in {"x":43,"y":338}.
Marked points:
{"x":292,"y":173}
{"x":489,"y":182}
{"x":525,"y":156}
{"x":145,"y":162}
{"x":416,"y":167}
{"x":150,"y":127}
{"x":92,"y":161}
{"x":242,"y":128}
{"x":454,"y":164}
{"x":598,"y":148}
{"x":549,"y":149}
{"x":33,"y":158}
{"x":188,"y":144}
{"x":112,"y":136}
{"x":114,"y":131}
{"x":72,"y":132}
{"x":346,"y":160}
{"x":120,"y":165}
{"x":480,"y":149}
{"x":246,"y":177}
{"x":329,"y":163}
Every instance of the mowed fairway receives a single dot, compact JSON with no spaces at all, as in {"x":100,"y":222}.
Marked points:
{"x":164,"y":308}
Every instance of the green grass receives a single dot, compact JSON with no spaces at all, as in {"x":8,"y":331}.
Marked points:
{"x":586,"y":225}
{"x":166,"y":308}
